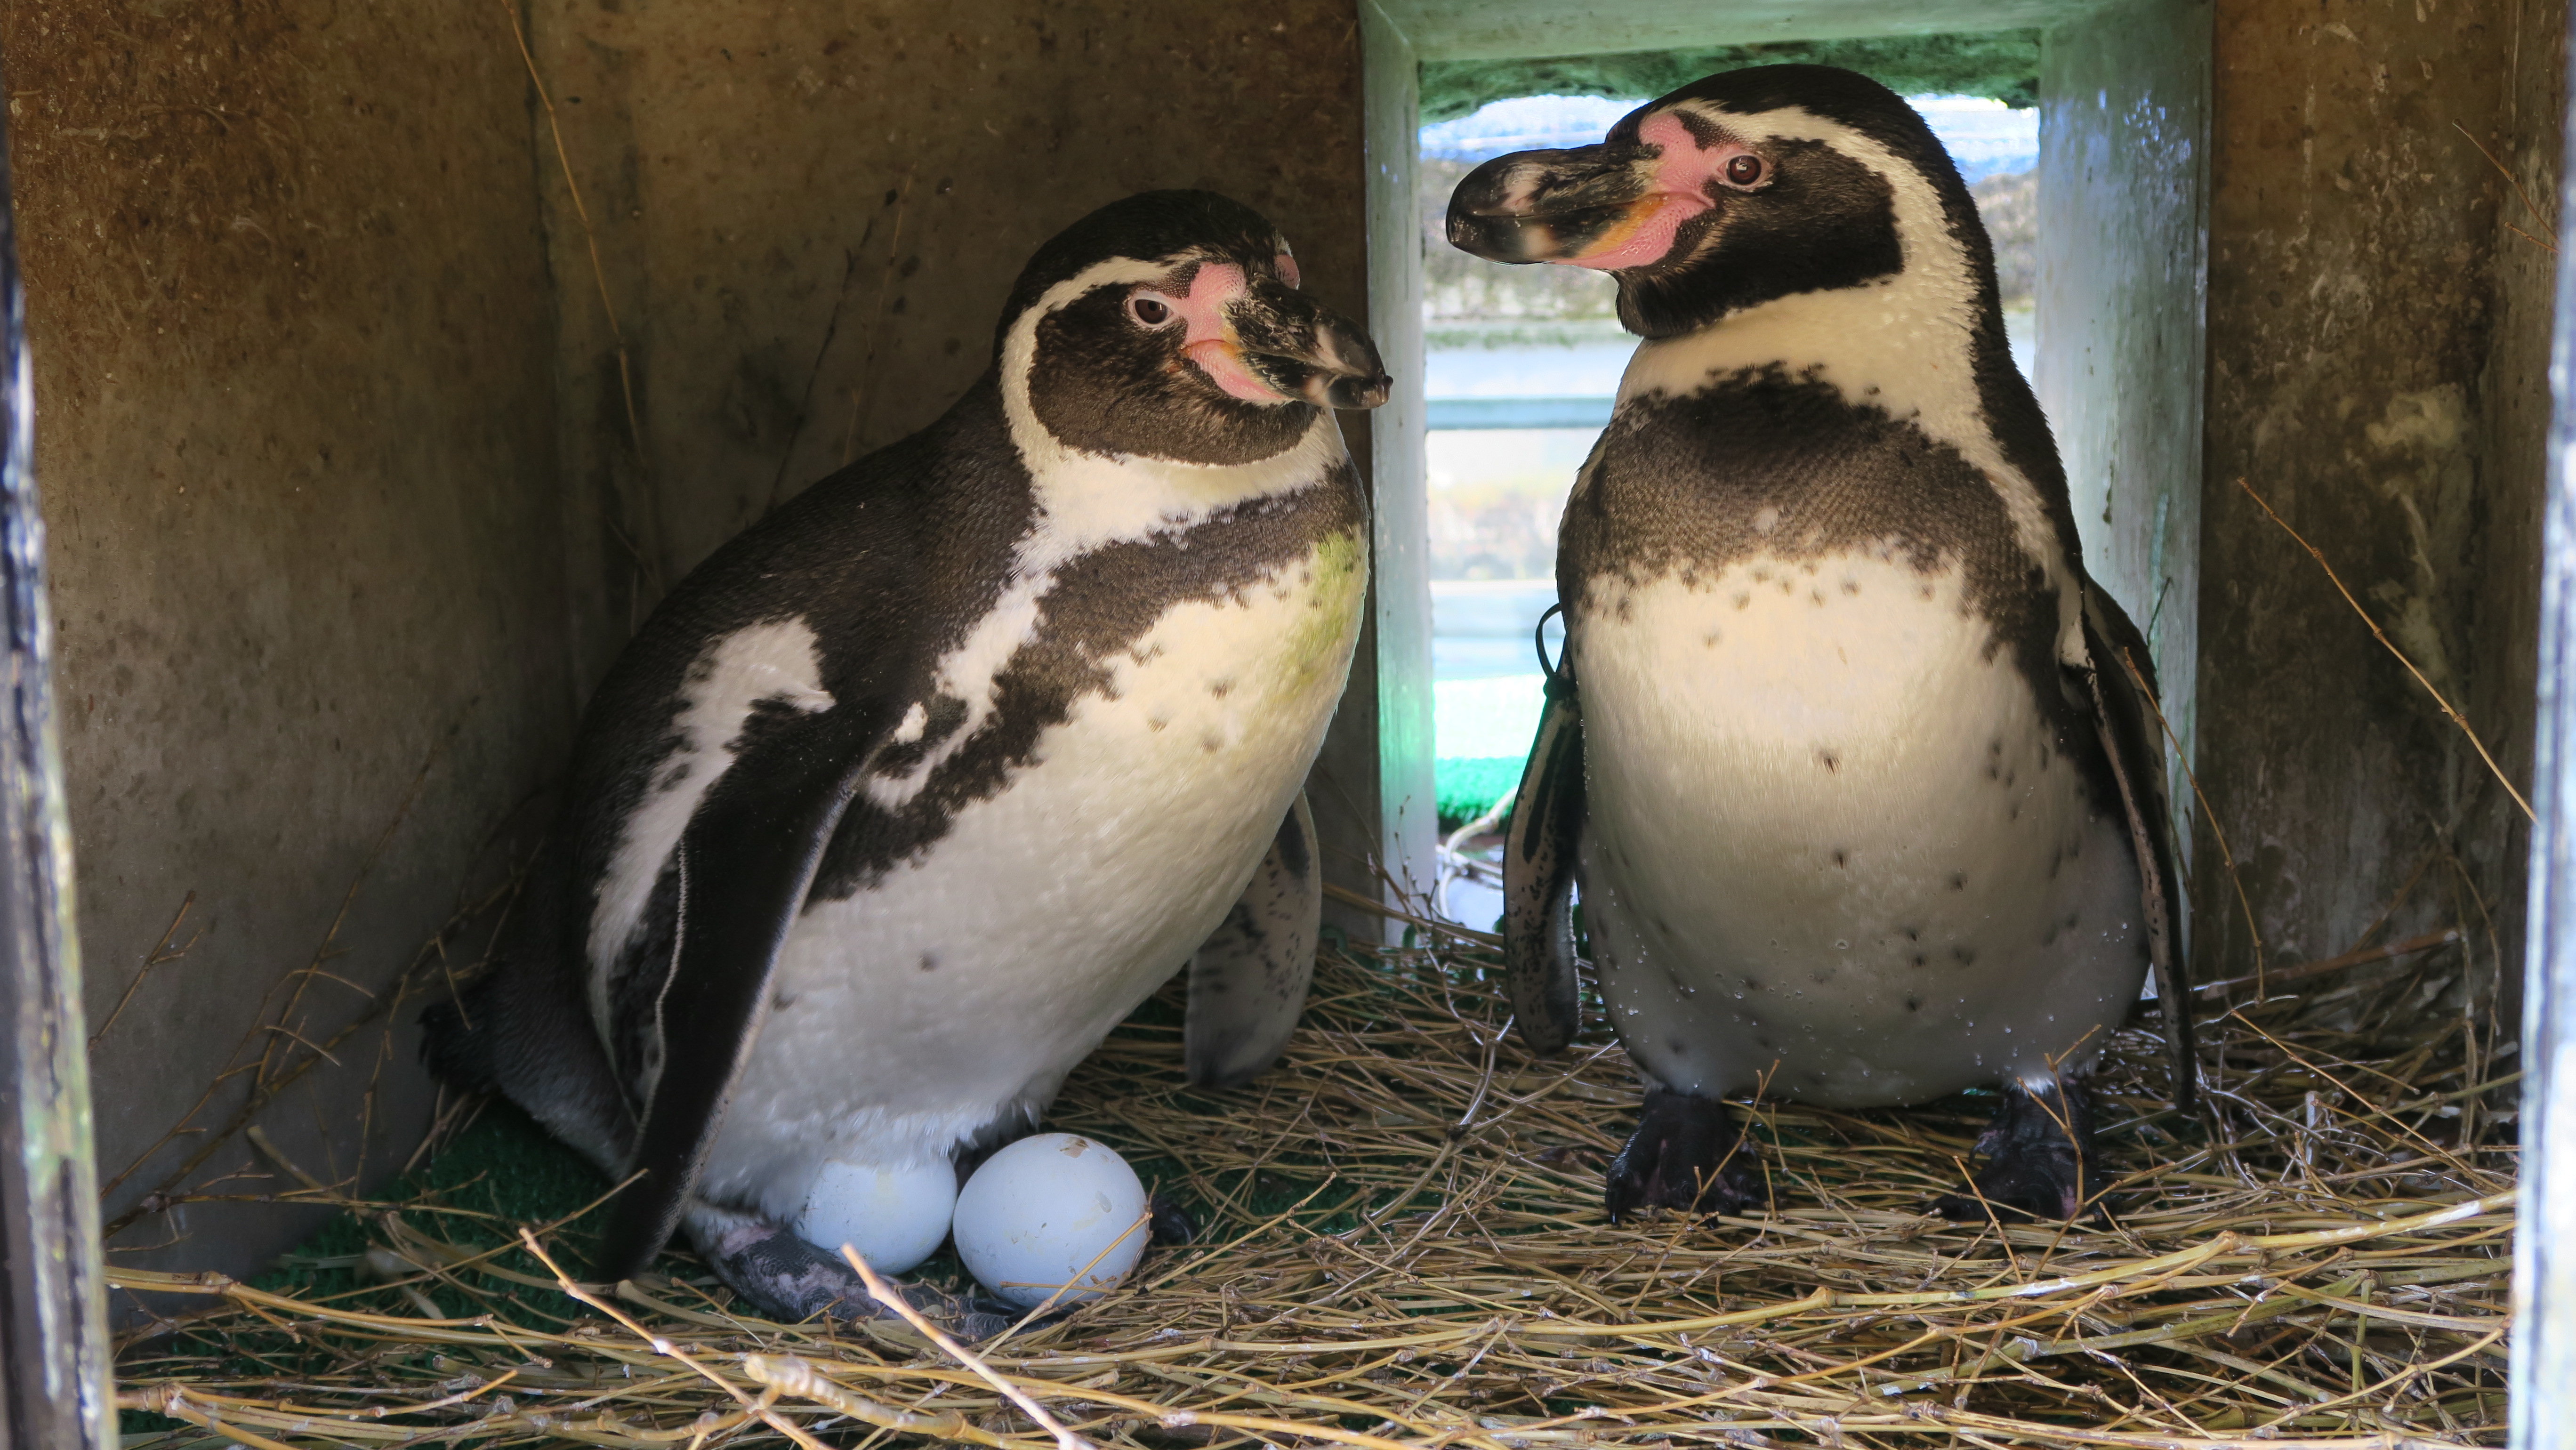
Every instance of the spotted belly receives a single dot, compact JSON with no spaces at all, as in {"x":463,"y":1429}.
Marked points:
{"x":1835,"y":847}
{"x":962,"y":986}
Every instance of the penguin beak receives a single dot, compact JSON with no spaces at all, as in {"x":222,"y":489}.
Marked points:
{"x":1299,"y":350}
{"x":1612,"y":206}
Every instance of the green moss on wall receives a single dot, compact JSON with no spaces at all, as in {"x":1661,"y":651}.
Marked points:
{"x":2003,"y":64}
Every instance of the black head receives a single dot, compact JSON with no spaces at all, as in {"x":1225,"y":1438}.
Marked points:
{"x":1730,"y":192}
{"x":1169,"y":325}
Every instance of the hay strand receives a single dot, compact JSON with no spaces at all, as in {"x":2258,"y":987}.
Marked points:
{"x":1402,"y":1249}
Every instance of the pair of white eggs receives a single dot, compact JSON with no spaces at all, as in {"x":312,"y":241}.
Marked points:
{"x":1055,"y":1216}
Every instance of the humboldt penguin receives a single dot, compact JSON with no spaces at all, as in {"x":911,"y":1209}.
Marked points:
{"x":898,"y":803}
{"x":1859,"y":772}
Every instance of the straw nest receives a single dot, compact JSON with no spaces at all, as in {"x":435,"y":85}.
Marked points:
{"x":1401,"y":1244}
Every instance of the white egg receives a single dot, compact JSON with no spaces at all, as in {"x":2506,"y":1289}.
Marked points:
{"x":1050,"y":1211}
{"x":894,"y":1217}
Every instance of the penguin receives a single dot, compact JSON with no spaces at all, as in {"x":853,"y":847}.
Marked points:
{"x":1858,"y":771}
{"x":898,"y":803}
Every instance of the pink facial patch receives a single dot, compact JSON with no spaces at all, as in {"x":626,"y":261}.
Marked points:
{"x":1677,"y":192}
{"x":1643,"y":236}
{"x":1209,"y":341}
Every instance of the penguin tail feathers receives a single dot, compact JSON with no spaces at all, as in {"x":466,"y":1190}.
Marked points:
{"x":455,"y":1046}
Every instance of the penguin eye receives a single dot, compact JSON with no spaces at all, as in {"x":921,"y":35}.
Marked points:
{"x":1288,"y":269}
{"x":1743,"y":170}
{"x":1149,"y":311}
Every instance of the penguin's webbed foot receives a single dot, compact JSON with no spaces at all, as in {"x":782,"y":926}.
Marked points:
{"x":2039,"y":1159}
{"x":790,"y":1280}
{"x":1687,"y":1153}
{"x":1171,"y":1224}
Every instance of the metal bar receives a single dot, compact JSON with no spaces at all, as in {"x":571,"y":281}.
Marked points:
{"x":2544,"y":1280}
{"x":55,"y":1391}
{"x":1460,"y":414}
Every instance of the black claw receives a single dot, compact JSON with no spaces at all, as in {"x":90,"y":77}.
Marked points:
{"x":982,"y":1317}
{"x":1171,"y":1223}
{"x":2039,"y":1160}
{"x":1687,"y":1153}
{"x":790,"y":1280}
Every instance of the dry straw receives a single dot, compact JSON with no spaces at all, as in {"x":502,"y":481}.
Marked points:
{"x":1402,"y":1247}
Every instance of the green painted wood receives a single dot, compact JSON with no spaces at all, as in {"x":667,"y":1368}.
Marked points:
{"x":55,"y":1393}
{"x":1409,"y":811}
{"x":2001,"y":64}
{"x":1441,"y":30}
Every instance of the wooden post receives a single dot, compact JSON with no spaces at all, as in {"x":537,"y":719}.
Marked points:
{"x":55,"y":1392}
{"x":1374,"y":807}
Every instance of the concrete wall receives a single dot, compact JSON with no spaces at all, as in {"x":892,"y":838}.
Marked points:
{"x":2376,"y":353}
{"x":293,"y":337}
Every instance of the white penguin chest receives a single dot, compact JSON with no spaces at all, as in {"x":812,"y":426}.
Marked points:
{"x":970,"y":979}
{"x":1833,"y":838}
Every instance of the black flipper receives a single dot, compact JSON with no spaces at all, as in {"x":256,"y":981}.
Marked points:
{"x":746,"y":860}
{"x":1687,"y":1153}
{"x":1248,"y":980}
{"x":2124,"y":708}
{"x":2039,"y":1157}
{"x":1538,"y":876}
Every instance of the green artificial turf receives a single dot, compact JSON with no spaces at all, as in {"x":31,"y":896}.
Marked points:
{"x":1467,"y":788}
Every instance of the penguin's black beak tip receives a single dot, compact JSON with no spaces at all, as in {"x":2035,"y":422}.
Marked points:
{"x":1490,"y":213}
{"x":1483,"y":235}
{"x":1510,"y":240}
{"x":1349,"y":392}
{"x":1325,"y":360}
{"x":1353,"y":376}
{"x":1540,"y":206}
{"x":1467,"y":234}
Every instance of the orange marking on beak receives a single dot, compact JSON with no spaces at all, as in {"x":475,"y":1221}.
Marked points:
{"x":1643,"y":234}
{"x":1222,"y":361}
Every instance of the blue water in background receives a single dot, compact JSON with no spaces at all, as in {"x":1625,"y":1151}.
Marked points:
{"x":1583,"y":370}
